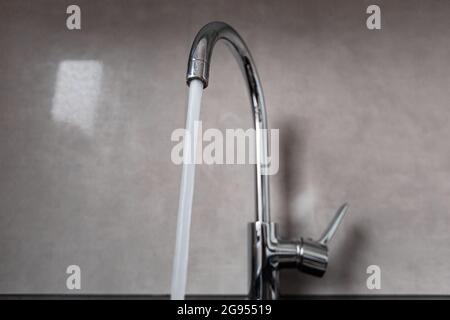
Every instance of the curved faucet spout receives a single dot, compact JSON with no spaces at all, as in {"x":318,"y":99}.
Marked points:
{"x":198,"y":68}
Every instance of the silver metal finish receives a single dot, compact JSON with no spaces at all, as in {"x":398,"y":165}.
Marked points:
{"x":269,"y":253}
{"x":198,"y":68}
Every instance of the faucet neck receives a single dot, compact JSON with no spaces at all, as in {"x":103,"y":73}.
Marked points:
{"x":198,"y":68}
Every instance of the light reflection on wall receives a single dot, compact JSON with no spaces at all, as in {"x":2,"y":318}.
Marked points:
{"x":76,"y":93}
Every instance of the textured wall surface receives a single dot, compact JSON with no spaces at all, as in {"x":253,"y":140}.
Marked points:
{"x":86,"y":118}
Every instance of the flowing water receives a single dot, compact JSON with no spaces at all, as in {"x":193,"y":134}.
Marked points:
{"x":180,"y":265}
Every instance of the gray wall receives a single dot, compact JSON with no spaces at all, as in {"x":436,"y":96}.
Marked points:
{"x":363,"y":117}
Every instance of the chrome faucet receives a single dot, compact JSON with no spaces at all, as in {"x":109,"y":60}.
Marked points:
{"x":269,"y":253}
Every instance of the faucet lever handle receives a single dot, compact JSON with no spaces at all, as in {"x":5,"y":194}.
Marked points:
{"x":314,"y":254}
{"x":334,"y":224}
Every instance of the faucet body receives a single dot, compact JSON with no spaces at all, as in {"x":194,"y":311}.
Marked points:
{"x":269,"y":253}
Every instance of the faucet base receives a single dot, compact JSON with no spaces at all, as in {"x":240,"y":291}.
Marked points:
{"x":269,"y":254}
{"x":264,"y":277}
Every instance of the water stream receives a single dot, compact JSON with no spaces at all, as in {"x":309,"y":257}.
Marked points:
{"x":180,"y":265}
